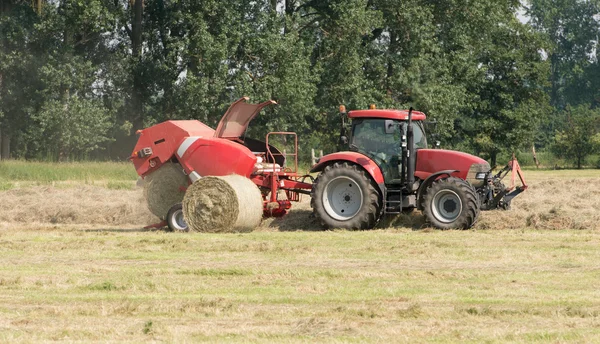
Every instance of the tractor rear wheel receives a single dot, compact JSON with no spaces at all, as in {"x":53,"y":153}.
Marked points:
{"x":344,"y":196}
{"x":451,"y":203}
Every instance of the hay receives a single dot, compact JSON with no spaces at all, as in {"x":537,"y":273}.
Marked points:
{"x":78,"y":204}
{"x":550,"y":204}
{"x":162,"y":188}
{"x":223,"y":204}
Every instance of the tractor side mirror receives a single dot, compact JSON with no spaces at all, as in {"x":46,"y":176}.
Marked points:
{"x":343,"y":140}
{"x":435,"y":139}
{"x":391,"y":126}
{"x":431,"y":126}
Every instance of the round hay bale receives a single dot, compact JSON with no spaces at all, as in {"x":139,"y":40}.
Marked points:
{"x":223,"y":204}
{"x":162,"y":188}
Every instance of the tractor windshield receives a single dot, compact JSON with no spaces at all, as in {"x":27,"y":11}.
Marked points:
{"x":369,"y":137}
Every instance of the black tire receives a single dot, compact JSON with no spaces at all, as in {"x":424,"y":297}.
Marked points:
{"x":451,"y":203}
{"x":175,"y":219}
{"x":344,"y":196}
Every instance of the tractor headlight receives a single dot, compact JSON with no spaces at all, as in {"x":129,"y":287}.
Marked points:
{"x":477,"y":175}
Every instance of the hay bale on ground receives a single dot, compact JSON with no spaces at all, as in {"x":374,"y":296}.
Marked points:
{"x":162,"y":188}
{"x":223,"y":204}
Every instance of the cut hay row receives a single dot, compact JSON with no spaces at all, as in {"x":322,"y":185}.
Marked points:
{"x":82,"y":204}
{"x":551,"y":202}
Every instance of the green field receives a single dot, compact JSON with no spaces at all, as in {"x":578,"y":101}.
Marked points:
{"x":76,"y":278}
{"x":377,"y":286}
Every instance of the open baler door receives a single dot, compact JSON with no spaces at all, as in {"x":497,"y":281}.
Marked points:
{"x":235,"y":121}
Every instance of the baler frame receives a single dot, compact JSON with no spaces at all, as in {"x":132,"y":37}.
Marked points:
{"x":281,"y":178}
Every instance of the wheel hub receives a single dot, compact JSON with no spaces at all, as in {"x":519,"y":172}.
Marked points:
{"x":342,"y":198}
{"x":446,"y":206}
{"x":449,"y":206}
{"x":178,"y":221}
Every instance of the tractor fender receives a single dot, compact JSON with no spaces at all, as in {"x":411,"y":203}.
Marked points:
{"x":361,"y":160}
{"x":428,"y":181}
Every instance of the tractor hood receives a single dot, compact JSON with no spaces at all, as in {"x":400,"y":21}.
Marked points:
{"x":430,"y":161}
{"x":235,"y":121}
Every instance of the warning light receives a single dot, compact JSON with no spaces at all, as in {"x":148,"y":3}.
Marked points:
{"x":372,"y":107}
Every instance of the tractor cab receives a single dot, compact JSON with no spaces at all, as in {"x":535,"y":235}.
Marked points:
{"x":382,"y":134}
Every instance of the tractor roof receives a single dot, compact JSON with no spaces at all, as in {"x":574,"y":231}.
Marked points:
{"x":401,"y":115}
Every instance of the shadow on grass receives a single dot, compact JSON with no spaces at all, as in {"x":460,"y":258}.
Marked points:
{"x":297,"y":220}
{"x":414,"y":220}
{"x":304,"y":220}
{"x":125,"y":230}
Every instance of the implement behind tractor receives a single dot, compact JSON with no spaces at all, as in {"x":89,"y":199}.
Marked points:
{"x":387,"y":169}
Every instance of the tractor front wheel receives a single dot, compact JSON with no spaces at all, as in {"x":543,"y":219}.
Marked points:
{"x":451,"y":203}
{"x":344,"y":196}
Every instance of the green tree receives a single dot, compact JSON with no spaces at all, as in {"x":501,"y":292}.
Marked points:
{"x":509,"y":100}
{"x":17,"y":70}
{"x":571,"y":28}
{"x":580,"y":136}
{"x":88,"y":124}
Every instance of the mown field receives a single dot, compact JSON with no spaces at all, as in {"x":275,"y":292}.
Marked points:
{"x":77,"y":266}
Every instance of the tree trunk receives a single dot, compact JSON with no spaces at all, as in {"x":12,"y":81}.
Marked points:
{"x":535,"y":159}
{"x":136,"y":48}
{"x":555,"y":81}
{"x":136,"y":28}
{"x":290,"y":7}
{"x":5,"y":6}
{"x":493,"y":156}
{"x":390,"y":63}
{"x":4,"y":146}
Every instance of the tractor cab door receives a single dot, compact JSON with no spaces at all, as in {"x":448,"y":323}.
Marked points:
{"x":237,"y":118}
{"x":370,"y":137}
{"x":374,"y":138}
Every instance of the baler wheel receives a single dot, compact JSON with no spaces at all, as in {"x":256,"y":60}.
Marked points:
{"x":451,"y":203}
{"x":175,"y":219}
{"x":344,"y":196}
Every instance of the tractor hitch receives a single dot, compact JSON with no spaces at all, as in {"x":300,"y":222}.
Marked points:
{"x":494,"y":194}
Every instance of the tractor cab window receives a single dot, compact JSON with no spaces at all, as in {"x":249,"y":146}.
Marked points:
{"x":420,"y":138}
{"x":369,"y":136}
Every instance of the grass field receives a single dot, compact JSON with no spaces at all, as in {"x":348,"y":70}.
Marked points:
{"x":78,"y":267}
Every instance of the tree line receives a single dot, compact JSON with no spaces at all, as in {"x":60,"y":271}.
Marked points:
{"x":78,"y":78}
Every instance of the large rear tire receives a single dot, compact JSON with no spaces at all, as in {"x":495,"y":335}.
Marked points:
{"x":451,"y":203}
{"x":344,"y":196}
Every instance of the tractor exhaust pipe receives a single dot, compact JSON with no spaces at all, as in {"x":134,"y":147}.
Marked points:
{"x":411,"y":155}
{"x":343,"y":142}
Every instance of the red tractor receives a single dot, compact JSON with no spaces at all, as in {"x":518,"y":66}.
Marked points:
{"x":388,"y":169}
